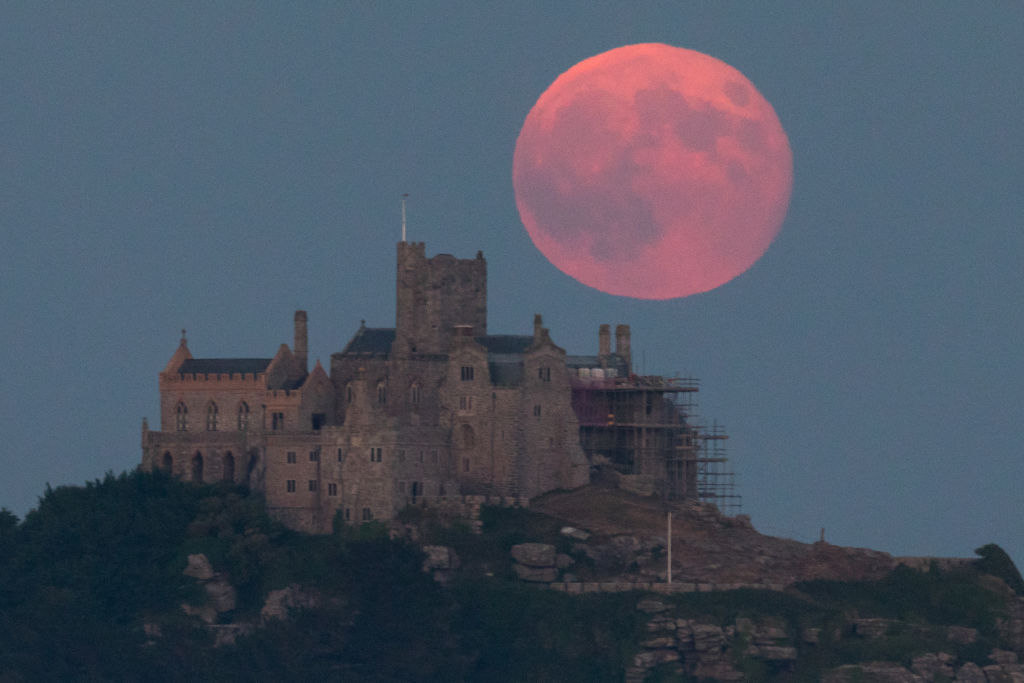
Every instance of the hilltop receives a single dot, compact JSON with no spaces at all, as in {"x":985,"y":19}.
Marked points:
{"x":140,"y":576}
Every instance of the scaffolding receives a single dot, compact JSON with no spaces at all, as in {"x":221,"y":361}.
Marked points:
{"x":645,"y":425}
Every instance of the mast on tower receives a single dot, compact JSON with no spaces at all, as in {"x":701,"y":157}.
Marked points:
{"x":403,"y":216}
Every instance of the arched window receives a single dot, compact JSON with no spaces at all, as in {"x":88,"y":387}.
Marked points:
{"x":349,"y":393}
{"x":414,"y":394}
{"x":181,"y":421}
{"x":168,"y":462}
{"x":243,"y":416}
{"x":197,"y":467}
{"x":211,"y":417}
{"x":382,"y":393}
{"x":228,"y":467}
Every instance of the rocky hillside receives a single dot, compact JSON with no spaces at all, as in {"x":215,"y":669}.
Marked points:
{"x":140,"y":577}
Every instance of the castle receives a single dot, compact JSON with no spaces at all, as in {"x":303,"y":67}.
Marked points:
{"x":428,"y":411}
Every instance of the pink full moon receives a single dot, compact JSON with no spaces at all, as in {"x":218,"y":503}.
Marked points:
{"x":653,"y":172}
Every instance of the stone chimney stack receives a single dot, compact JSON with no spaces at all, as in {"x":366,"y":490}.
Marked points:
{"x":301,"y":340}
{"x":538,"y":324}
{"x":622,"y":344}
{"x":604,"y":341}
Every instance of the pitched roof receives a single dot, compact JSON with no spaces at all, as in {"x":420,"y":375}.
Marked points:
{"x":371,"y":340}
{"x":223,"y":365}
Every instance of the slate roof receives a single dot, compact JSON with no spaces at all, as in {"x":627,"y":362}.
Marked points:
{"x":371,"y":340}
{"x":224,"y":366}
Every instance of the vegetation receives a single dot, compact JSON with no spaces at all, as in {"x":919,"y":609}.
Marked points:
{"x":91,"y":587}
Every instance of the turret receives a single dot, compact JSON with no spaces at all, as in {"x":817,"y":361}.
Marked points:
{"x":604,"y":344}
{"x":622,"y":344}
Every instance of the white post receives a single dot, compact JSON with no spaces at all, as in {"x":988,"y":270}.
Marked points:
{"x":670,"y":546}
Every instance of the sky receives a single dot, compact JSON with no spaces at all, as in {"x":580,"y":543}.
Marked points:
{"x":216,"y":166}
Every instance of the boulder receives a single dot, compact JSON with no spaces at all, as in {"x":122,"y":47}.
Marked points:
{"x":280,"y":602}
{"x":222,"y":595}
{"x":439,"y":557}
{"x":563,"y":561}
{"x":970,"y":673}
{"x":535,"y":574}
{"x":534,"y":554}
{"x":574,"y":533}
{"x":199,"y":567}
{"x":931,"y":666}
{"x":961,"y":635}
{"x":877,"y":672}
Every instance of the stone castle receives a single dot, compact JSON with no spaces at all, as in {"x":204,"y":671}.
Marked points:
{"x":429,"y":411}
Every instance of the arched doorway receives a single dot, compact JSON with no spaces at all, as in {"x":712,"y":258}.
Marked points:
{"x":168,"y":462}
{"x":197,"y":467}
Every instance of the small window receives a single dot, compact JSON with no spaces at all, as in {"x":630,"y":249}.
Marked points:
{"x":314,"y":456}
{"x":414,"y":394}
{"x":340,"y":455}
{"x":536,"y":410}
{"x":348,"y":514}
{"x":318,"y":419}
{"x":312,"y":484}
{"x":181,"y":421}
{"x":243,"y":416}
{"x":544,"y":374}
{"x":332,"y":489}
{"x":376,"y":454}
{"x":466,"y":373}
{"x":349,"y":393}
{"x":367,"y":514}
{"x":290,"y":485}
{"x":277,"y":421}
{"x":382,"y":393}
{"x":291,"y":457}
{"x":211,"y":417}
{"x":465,"y":403}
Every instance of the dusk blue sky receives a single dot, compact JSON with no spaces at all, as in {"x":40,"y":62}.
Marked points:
{"x":215,"y":166}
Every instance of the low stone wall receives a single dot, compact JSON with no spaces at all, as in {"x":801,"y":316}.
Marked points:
{"x":657,"y":587}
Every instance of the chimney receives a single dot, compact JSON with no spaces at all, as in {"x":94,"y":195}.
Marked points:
{"x":301,"y":340}
{"x":604,"y":342}
{"x":622,"y":344}
{"x":538,"y":323}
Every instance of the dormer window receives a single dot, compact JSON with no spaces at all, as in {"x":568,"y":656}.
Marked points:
{"x":243,"y":416}
{"x":181,"y":418}
{"x":211,"y":417}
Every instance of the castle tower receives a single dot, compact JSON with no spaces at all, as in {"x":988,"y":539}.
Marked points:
{"x":434,"y":295}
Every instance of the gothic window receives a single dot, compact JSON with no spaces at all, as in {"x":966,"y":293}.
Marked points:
{"x":290,"y":485}
{"x":168,"y":462}
{"x":349,"y":393}
{"x":466,"y":373}
{"x":211,"y":417}
{"x":382,"y":393}
{"x":243,"y":416}
{"x":228,"y":467}
{"x":332,"y":489}
{"x":414,"y":394}
{"x":181,"y":422}
{"x":544,"y":374}
{"x":291,"y":457}
{"x":197,"y":468}
{"x":277,"y":421}
{"x":367,"y":514}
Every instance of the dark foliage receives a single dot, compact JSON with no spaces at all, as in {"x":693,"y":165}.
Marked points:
{"x":994,"y":560}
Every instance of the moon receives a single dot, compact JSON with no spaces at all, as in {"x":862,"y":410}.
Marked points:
{"x":653,"y":172}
